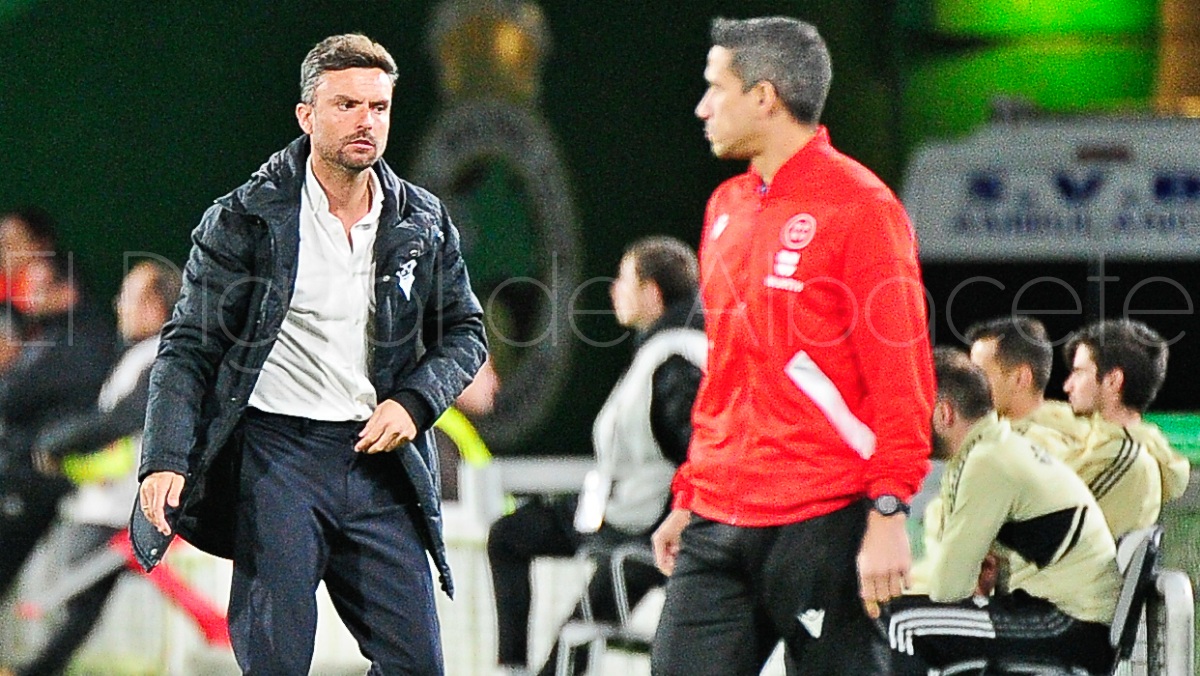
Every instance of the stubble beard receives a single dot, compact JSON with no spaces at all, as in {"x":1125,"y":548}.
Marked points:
{"x":349,"y":161}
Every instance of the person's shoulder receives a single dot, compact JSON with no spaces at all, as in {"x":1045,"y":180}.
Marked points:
{"x":673,"y":339}
{"x":853,"y":179}
{"x":1058,"y":414}
{"x":1147,"y":433}
{"x":412,"y":198}
{"x":1105,"y":433}
{"x":275,"y":183}
{"x":997,"y":444}
{"x":735,"y":186}
{"x":1047,"y":437}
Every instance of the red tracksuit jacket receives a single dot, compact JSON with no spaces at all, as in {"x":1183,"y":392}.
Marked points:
{"x":819,"y":388}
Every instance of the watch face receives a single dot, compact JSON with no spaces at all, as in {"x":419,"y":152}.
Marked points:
{"x":887,"y":505}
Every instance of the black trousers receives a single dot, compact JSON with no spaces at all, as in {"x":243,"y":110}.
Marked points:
{"x":1009,"y":626}
{"x":311,"y":509}
{"x":736,"y":591}
{"x":545,"y":527}
{"x":83,"y":610}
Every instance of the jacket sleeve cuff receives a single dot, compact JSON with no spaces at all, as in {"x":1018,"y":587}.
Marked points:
{"x":420,"y":412}
{"x":681,"y":492}
{"x":151,"y":467}
{"x":890,"y":487}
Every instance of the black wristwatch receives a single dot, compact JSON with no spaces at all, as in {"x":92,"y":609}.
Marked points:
{"x":889,"y":505}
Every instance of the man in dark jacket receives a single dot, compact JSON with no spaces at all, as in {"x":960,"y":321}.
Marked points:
{"x":326,"y":320}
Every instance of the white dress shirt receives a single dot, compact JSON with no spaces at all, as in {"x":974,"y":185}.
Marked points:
{"x":317,"y":368}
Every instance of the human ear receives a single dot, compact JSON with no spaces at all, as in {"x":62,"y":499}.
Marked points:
{"x":304,"y":117}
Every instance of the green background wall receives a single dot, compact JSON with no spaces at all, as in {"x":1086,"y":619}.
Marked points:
{"x":126,"y":119}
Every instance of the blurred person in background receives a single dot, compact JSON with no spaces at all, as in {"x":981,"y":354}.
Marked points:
{"x":640,"y":437}
{"x":99,"y":452}
{"x":326,"y":321}
{"x":68,"y":349}
{"x":457,"y":438}
{"x":10,"y":343}
{"x":1016,"y":355}
{"x":25,"y":234}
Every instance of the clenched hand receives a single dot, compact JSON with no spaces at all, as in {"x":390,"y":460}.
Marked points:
{"x":389,"y":427}
{"x":883,"y":561}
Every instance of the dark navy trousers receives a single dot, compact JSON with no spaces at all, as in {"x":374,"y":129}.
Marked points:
{"x":313,"y":509}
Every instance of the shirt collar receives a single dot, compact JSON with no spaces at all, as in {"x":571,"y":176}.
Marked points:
{"x":320,"y":201}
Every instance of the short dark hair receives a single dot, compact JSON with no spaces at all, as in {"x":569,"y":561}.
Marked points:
{"x":38,"y":222}
{"x":1020,"y":341}
{"x":342,"y":52}
{"x":1131,"y":346}
{"x":166,"y":282}
{"x":670,"y":264}
{"x":962,"y":383}
{"x":788,"y":53}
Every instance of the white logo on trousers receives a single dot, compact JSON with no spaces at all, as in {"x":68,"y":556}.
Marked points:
{"x":812,"y":620}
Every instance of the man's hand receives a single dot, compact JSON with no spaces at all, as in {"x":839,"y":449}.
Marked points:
{"x":883,"y":561}
{"x":389,"y":427}
{"x":667,"y":537}
{"x":158,"y":490}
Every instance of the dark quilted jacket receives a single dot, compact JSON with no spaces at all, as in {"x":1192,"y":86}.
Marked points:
{"x":238,"y":284}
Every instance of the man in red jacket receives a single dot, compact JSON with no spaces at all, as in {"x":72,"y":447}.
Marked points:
{"x":811,"y":427}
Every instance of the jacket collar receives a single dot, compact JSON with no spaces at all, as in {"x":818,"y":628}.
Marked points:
{"x":792,"y":173}
{"x":273,"y":191}
{"x":678,"y":315}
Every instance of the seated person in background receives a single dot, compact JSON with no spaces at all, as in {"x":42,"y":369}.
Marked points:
{"x":640,"y":437}
{"x":26,"y":234}
{"x":455,"y":431}
{"x":1117,"y":368}
{"x":100,"y":450}
{"x":10,"y":341}
{"x":999,"y":487}
{"x":1016,"y":355}
{"x":68,"y":350}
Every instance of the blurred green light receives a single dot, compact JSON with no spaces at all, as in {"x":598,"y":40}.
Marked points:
{"x":1026,"y":17}
{"x":949,"y":96}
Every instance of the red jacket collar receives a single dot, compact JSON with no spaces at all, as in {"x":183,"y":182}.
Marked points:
{"x":792,"y":171}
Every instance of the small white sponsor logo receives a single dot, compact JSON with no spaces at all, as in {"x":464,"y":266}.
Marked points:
{"x":784,"y":283}
{"x":719,"y":226}
{"x":798,"y":232}
{"x":812,"y":620}
{"x":786,"y":262}
{"x":405,"y":277}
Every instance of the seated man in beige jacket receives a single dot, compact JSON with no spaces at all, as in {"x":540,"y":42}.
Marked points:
{"x":999,"y":487}
{"x":1117,"y":368}
{"x":1130,"y":467}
